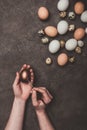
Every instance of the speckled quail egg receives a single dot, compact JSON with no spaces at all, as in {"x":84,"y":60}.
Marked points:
{"x":71,"y":44}
{"x":84,"y":16}
{"x":80,"y":43}
{"x":62,"y":14}
{"x":45,"y":40}
{"x":78,"y":50}
{"x":48,"y":60}
{"x":63,"y":5}
{"x":71,"y":27}
{"x":54,"y":46}
{"x":72,"y":59}
{"x":71,"y":15}
{"x":62,"y":27}
{"x":41,"y":33}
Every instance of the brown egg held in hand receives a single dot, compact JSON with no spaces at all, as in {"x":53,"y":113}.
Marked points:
{"x":79,"y":33}
{"x":43,"y":13}
{"x":79,"y":7}
{"x":62,"y":59}
{"x":25,"y":75}
{"x":51,"y":31}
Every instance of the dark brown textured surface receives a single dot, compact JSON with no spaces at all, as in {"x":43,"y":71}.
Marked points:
{"x":19,"y":44}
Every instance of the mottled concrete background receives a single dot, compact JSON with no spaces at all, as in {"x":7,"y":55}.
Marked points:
{"x":19,"y":44}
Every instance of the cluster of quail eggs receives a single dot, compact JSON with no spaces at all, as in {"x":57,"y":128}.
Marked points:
{"x":63,"y":27}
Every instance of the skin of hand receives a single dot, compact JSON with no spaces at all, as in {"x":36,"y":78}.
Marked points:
{"x":40,"y":105}
{"x":45,"y":99}
{"x":22,"y":90}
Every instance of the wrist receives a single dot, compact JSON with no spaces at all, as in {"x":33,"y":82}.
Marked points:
{"x":19,"y":101}
{"x":40,"y":112}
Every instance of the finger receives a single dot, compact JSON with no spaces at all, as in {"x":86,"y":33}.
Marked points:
{"x":23,"y":67}
{"x":46,"y":98}
{"x":32,"y":75}
{"x":16,"y":81}
{"x":28,"y":66}
{"x":47,"y":92}
{"x":34,"y":98}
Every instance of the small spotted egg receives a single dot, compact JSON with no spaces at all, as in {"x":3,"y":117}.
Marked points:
{"x":45,"y":40}
{"x":62,"y":14}
{"x":71,"y":15}
{"x":78,"y":50}
{"x":71,"y":27}
{"x":54,"y":46}
{"x":80,"y":43}
{"x":48,"y":60}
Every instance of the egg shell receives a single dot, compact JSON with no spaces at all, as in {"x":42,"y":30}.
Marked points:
{"x":80,"y":43}
{"x":62,"y":59}
{"x":25,"y":75}
{"x":79,"y":7}
{"x":71,"y":44}
{"x":54,"y":46}
{"x":51,"y":31}
{"x":62,"y":27}
{"x":86,"y":30}
{"x":43,"y":13}
{"x":79,"y":33}
{"x":48,"y":60}
{"x":84,"y":16}
{"x":63,"y":5}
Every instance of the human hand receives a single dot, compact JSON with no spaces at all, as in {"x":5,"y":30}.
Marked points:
{"x":45,"y":99}
{"x":23,"y":90}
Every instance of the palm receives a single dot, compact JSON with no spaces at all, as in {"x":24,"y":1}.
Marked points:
{"x":25,"y":90}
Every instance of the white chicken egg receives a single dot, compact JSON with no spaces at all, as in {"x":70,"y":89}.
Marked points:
{"x":63,"y":5}
{"x":71,"y":44}
{"x":54,"y":46}
{"x":84,"y":16}
{"x":62,"y":27}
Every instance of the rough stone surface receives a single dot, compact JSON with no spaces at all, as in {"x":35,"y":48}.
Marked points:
{"x":19,"y":44}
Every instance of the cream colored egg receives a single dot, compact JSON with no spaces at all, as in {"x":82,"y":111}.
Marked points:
{"x":63,"y":5}
{"x":84,"y":16}
{"x":62,"y":27}
{"x":71,"y":44}
{"x":51,"y":31}
{"x":54,"y":46}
